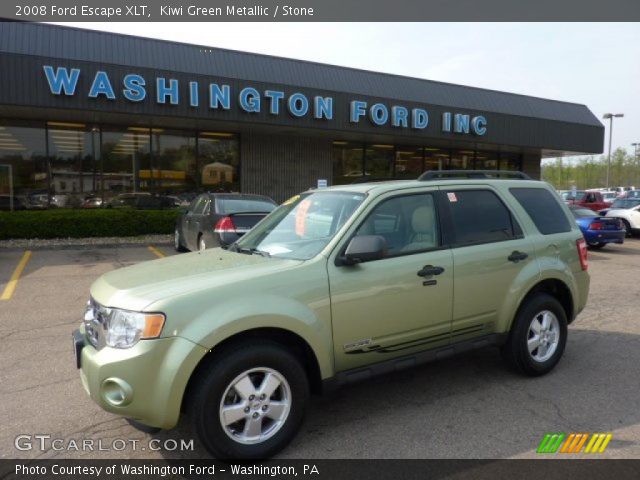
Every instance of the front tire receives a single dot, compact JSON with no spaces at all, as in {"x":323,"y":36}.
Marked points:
{"x":251,"y":402}
{"x":538,"y":336}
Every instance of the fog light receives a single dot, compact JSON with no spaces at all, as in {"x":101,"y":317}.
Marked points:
{"x":117,"y":392}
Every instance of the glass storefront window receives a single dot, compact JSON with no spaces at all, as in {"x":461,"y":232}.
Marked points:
{"x":125,"y":153}
{"x":23,"y":149}
{"x":436,"y":159}
{"x":461,"y":160}
{"x":219,"y":162}
{"x":409,"y":162}
{"x":486,"y":160}
{"x":74,"y":173}
{"x":347,"y":162}
{"x":174,"y":169}
{"x":378,"y":162}
{"x":510,"y":161}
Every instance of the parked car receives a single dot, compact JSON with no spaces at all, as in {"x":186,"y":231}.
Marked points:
{"x":238,"y":338}
{"x":126,"y":199}
{"x":598,"y":230}
{"x":632,"y":194}
{"x":142,"y":201}
{"x":588,"y":199}
{"x":609,"y":197}
{"x":19,"y":202}
{"x":627,"y":210}
{"x":92,"y":202}
{"x":219,"y":219}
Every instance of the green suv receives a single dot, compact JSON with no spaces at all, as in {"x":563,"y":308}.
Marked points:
{"x":334,"y":286}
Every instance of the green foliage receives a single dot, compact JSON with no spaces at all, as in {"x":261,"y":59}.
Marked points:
{"x":591,"y":172}
{"x":69,"y":223}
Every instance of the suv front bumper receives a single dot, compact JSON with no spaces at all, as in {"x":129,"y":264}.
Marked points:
{"x":145,"y":382}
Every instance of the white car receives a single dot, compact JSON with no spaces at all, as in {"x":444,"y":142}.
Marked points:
{"x":627,"y":210}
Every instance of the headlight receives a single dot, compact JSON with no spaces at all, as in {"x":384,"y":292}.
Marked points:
{"x":123,"y":329}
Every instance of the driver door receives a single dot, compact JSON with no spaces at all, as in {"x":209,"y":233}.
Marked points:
{"x":384,"y":309}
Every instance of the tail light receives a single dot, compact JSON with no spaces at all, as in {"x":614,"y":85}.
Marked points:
{"x":596,"y":226}
{"x":582,"y":253}
{"x":225,"y":225}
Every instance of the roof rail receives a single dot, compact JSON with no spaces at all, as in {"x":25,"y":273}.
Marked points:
{"x":442,"y":174}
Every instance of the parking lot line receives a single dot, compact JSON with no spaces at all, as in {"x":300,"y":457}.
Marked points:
{"x":156,"y":252}
{"x":13,"y":282}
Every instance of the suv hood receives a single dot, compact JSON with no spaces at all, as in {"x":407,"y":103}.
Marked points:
{"x":138,"y":286}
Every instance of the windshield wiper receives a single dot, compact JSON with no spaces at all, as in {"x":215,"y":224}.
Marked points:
{"x":262,"y":253}
{"x":247,"y":251}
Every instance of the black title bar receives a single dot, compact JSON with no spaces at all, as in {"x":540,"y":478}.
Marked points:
{"x":321,"y":10}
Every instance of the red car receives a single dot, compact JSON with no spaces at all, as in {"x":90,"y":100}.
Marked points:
{"x":592,"y":200}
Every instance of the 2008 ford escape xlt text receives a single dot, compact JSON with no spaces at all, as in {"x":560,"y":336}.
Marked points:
{"x":335,"y":285}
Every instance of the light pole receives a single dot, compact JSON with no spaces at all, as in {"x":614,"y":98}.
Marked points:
{"x":610,"y":116}
{"x":635,"y":150}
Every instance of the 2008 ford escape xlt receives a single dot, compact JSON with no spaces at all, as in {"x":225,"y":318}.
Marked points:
{"x":335,"y":285}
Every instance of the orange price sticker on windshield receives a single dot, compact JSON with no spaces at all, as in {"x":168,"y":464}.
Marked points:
{"x":301,"y":217}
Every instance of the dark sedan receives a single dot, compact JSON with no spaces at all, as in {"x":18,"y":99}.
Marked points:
{"x":597,"y":230}
{"x":219,"y":219}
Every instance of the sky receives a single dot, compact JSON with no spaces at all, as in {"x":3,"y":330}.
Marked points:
{"x":596,"y":64}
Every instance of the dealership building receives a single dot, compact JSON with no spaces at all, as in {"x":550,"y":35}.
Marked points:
{"x":91,"y":114}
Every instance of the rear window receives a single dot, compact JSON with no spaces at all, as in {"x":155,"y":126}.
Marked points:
{"x":229,"y":206}
{"x":543,"y":208}
{"x":479,"y":216}
{"x":583,"y":212}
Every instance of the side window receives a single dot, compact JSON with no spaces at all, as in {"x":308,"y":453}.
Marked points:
{"x":543,"y":208}
{"x":199,"y":206}
{"x":408,"y":224}
{"x":479,"y":216}
{"x":193,"y":204}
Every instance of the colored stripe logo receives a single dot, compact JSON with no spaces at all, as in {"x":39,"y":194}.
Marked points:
{"x":574,"y":443}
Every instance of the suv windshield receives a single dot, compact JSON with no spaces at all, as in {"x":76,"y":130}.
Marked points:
{"x":302,"y":226}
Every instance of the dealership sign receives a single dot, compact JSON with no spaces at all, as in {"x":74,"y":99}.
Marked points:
{"x":134,"y":88}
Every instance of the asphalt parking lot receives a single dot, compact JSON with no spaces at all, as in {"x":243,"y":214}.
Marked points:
{"x":467,"y":407}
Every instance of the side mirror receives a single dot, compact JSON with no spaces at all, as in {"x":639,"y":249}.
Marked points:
{"x":364,"y":248}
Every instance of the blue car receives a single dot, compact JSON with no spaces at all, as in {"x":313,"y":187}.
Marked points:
{"x":597,"y":230}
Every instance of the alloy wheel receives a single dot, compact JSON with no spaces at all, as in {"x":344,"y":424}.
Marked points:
{"x":543,"y":336}
{"x":255,"y":405}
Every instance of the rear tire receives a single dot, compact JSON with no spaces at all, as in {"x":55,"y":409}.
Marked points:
{"x":627,"y":228}
{"x":538,"y":336}
{"x":231,"y":415}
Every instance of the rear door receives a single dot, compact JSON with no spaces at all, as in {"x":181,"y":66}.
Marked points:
{"x":193,"y":219}
{"x":489,"y":253}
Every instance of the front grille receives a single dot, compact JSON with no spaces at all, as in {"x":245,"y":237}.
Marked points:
{"x":95,"y":318}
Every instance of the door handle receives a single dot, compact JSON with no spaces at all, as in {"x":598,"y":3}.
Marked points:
{"x":429,"y":270}
{"x":516,"y":256}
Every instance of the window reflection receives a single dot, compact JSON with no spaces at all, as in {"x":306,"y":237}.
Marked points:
{"x":347,"y":162}
{"x":461,"y":160}
{"x":219,"y":161}
{"x":173,"y":168}
{"x":23,"y":149}
{"x":125,"y":152}
{"x":378,"y":162}
{"x":74,"y":174}
{"x":409,"y":162}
